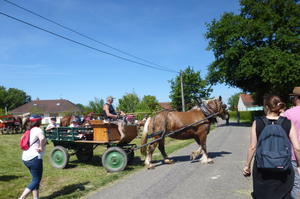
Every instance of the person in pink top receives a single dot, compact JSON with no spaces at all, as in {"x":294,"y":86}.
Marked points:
{"x":293,"y":114}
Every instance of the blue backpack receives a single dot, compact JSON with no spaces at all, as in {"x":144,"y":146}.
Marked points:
{"x":273,"y":151}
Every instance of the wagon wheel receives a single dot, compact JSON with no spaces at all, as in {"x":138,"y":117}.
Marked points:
{"x":4,"y":130}
{"x":59,"y":157}
{"x":114,"y":159}
{"x":18,"y":129}
{"x":85,"y":153}
{"x":10,"y":130}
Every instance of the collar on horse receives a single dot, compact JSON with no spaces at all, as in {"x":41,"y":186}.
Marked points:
{"x":205,"y":109}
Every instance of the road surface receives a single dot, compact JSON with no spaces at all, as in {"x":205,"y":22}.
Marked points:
{"x":227,"y":145}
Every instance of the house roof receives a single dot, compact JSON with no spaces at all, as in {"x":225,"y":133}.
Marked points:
{"x":47,"y":106}
{"x":165,"y":105}
{"x":247,"y":100}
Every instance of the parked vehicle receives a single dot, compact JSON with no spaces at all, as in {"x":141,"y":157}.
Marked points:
{"x":10,"y":124}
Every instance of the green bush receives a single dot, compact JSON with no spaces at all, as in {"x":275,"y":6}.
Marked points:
{"x":246,"y":116}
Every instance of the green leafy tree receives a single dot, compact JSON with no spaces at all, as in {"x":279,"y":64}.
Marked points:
{"x":12,"y":98}
{"x":233,"y":101}
{"x":149,"y":104}
{"x":129,"y":103}
{"x":257,"y":50}
{"x":95,"y":106}
{"x":3,"y":95}
{"x":194,"y":87}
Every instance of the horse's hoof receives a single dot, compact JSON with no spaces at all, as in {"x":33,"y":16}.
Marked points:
{"x":168,"y":161}
{"x":193,"y":156}
{"x":150,"y":167}
{"x":207,"y":161}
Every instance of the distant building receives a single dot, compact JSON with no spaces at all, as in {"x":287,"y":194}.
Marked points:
{"x":47,"y":108}
{"x":246,"y":103}
{"x":165,"y":105}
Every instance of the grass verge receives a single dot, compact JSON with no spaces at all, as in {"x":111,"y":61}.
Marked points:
{"x":73,"y":182}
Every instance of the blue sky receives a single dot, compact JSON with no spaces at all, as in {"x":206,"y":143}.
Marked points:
{"x":167,"y":32}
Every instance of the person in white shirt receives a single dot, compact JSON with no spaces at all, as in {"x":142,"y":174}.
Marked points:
{"x":52,"y":124}
{"x":75,"y":122}
{"x":33,"y":157}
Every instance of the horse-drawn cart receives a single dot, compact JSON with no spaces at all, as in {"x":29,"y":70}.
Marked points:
{"x":9,"y":124}
{"x":82,"y":141}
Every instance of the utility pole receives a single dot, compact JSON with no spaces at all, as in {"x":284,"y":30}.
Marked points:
{"x":182,"y":93}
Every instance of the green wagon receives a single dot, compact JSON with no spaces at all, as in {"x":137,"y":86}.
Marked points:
{"x":82,"y":141}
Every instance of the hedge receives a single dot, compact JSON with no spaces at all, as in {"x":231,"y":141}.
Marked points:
{"x":246,"y":116}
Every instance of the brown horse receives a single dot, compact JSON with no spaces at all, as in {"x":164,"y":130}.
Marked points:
{"x":67,"y":120}
{"x":169,"y":121}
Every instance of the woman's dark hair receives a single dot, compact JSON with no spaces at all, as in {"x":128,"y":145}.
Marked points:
{"x":35,"y":124}
{"x":273,"y":103}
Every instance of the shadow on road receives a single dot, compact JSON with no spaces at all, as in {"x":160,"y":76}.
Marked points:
{"x":242,"y":124}
{"x":186,"y":158}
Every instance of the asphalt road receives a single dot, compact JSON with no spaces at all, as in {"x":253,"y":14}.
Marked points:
{"x":227,"y":145}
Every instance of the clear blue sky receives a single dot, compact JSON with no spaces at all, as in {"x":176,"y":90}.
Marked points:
{"x":169,"y":33}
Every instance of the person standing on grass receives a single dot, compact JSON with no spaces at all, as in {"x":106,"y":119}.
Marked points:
{"x":293,"y":114}
{"x":270,"y":184}
{"x":32,"y":158}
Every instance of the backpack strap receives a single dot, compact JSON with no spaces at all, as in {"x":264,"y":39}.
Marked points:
{"x":34,"y":142}
{"x":280,"y":120}
{"x":265,"y":120}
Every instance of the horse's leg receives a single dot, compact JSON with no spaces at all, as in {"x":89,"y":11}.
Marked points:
{"x":203,"y":135}
{"x":196,"y":153}
{"x":148,"y":159}
{"x":161,"y":147}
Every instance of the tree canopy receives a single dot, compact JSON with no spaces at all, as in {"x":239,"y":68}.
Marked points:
{"x":148,"y":103}
{"x":95,"y":106}
{"x":12,"y":98}
{"x":194,"y":87}
{"x":257,"y":50}
{"x":233,"y":101}
{"x":128,"y":103}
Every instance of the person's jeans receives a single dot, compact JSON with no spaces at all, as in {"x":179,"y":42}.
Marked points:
{"x":35,"y":167}
{"x":296,"y":188}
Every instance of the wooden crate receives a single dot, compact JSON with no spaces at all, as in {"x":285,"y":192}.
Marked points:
{"x":108,"y":132}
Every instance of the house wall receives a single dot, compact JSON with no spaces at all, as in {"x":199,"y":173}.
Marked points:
{"x":47,"y":117}
{"x":241,"y":105}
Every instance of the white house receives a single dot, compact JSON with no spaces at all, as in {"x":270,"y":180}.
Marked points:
{"x":246,"y":103}
{"x":47,"y":108}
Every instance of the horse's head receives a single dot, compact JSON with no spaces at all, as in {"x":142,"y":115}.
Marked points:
{"x":216,"y":106}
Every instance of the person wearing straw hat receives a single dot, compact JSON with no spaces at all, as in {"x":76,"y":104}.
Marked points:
{"x":111,"y":115}
{"x":293,"y":114}
{"x":33,"y":156}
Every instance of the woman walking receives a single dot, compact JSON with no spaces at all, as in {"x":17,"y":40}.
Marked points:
{"x":32,"y":157}
{"x":269,"y":184}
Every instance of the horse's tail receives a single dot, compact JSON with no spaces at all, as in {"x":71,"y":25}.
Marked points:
{"x":144,"y":136}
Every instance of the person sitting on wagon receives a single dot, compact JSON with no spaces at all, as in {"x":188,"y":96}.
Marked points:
{"x":52,"y":124}
{"x":111,"y":115}
{"x":74,"y":124}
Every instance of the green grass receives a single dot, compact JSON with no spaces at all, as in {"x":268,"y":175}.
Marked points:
{"x":74,"y":182}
